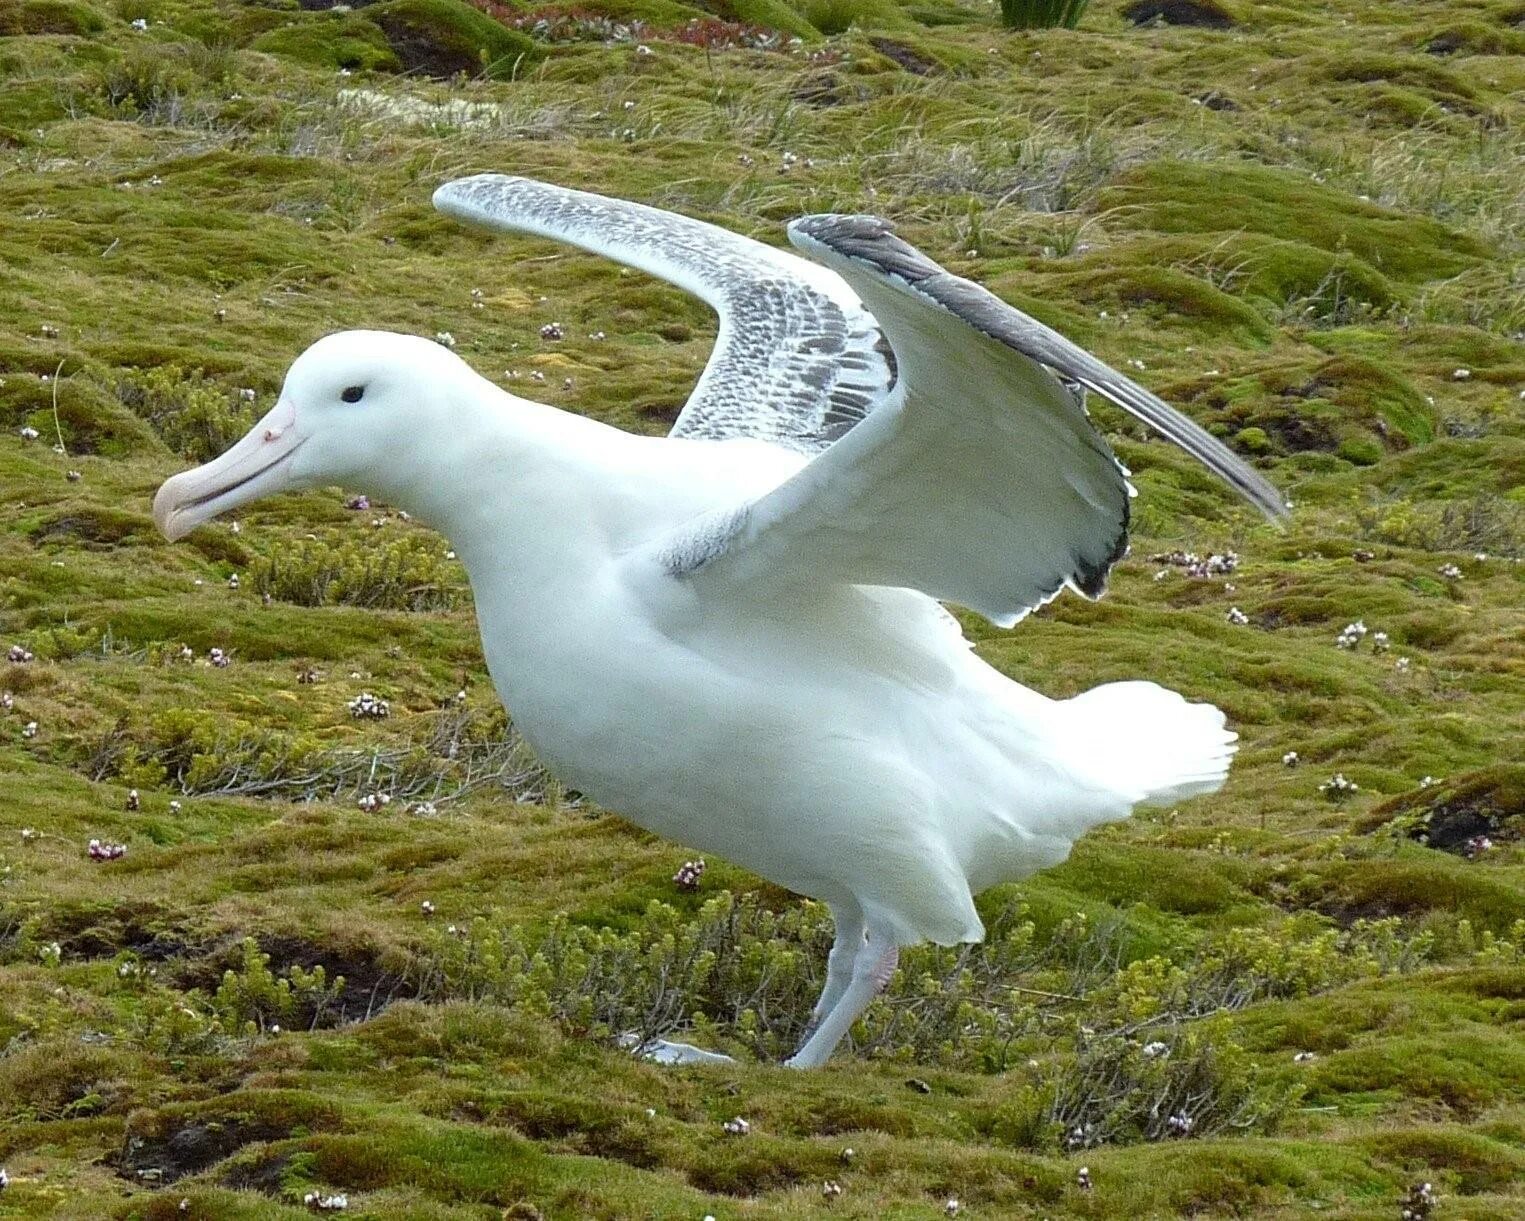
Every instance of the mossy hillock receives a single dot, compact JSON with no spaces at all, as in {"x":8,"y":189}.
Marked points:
{"x":360,"y":943}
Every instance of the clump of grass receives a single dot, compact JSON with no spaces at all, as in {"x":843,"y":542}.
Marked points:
{"x":195,"y":416}
{"x":1194,"y":1081}
{"x":1486,"y":522}
{"x":252,"y":999}
{"x":400,"y":574}
{"x":202,"y":753}
{"x":1042,"y":14}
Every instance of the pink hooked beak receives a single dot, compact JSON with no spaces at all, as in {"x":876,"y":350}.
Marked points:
{"x":256,"y":466}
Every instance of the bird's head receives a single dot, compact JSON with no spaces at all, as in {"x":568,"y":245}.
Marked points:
{"x":355,"y":407}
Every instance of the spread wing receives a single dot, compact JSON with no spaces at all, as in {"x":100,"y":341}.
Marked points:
{"x":979,"y":480}
{"x":798,"y":361}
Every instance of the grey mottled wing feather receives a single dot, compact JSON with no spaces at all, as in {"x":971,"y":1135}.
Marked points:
{"x":797,"y":360}
{"x":871,"y":241}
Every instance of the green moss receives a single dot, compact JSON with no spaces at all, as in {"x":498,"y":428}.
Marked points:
{"x":770,"y":14}
{"x":1207,"y":14}
{"x":1170,"y":296}
{"x":1474,"y":38}
{"x":839,"y":16}
{"x":348,"y":41}
{"x":1360,"y":450}
{"x":1192,"y":198}
{"x":48,"y":17}
{"x":441,"y":38}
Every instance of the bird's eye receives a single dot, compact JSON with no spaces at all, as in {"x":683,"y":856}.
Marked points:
{"x":353,"y":394}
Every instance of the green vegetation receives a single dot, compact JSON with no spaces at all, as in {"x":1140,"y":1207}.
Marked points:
{"x":369,"y":947}
{"x":1042,"y":14}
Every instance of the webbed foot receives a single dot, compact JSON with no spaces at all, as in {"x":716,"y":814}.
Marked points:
{"x":661,"y":1051}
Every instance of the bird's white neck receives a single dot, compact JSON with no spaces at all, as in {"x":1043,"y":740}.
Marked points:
{"x":519,"y":488}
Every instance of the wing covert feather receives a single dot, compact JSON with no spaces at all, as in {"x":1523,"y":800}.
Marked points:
{"x":797,"y":360}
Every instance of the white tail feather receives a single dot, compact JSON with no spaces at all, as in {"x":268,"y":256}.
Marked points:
{"x":1150,"y":745}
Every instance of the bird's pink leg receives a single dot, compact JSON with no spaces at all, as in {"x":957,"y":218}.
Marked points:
{"x":872,"y":967}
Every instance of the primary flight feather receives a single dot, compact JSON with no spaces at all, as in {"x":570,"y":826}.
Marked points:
{"x":732,"y":635}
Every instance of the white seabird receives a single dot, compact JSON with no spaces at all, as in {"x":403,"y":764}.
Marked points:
{"x":732,"y":635}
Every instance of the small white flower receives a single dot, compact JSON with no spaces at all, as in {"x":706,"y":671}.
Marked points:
{"x":1402,"y":665}
{"x":1290,"y":759}
{"x":366,"y":706}
{"x":1155,"y":1050}
{"x":1460,"y":375}
{"x":233,"y":581}
{"x":444,"y":339}
{"x":831,"y":1189}
{"x":174,"y":807}
{"x":552,"y":330}
{"x":1303,"y":1057}
{"x":28,"y":433}
{"x":951,"y":1205}
{"x":29,"y":730}
{"x":426,"y":907}
{"x":247,"y":394}
{"x":642,"y":49}
{"x":1337,"y":788}
{"x":1237,"y":616}
{"x":736,"y":1127}
{"x":1450,"y":571}
{"x":1351,"y":635}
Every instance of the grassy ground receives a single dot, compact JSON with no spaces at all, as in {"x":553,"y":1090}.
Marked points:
{"x":1276,"y":1001}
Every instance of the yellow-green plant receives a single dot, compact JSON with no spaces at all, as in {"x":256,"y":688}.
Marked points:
{"x":1040,"y":14}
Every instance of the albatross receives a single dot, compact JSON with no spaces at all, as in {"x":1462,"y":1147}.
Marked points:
{"x":734,"y":635}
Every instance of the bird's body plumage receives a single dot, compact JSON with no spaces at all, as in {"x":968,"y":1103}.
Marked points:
{"x":838,"y":739}
{"x":733,"y":635}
